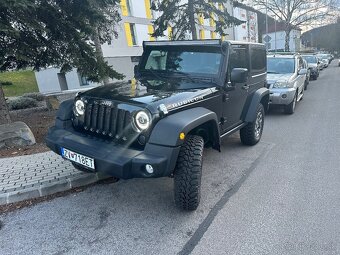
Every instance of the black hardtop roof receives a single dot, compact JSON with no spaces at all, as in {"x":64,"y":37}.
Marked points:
{"x":206,"y":42}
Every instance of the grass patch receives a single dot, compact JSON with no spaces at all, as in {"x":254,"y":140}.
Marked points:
{"x":22,"y":82}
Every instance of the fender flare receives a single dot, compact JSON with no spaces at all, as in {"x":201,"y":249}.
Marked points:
{"x":65,"y":110}
{"x":166,"y":131}
{"x":64,"y":114}
{"x":260,"y":96}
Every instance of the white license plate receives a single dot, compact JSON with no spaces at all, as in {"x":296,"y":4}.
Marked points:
{"x":78,"y":158}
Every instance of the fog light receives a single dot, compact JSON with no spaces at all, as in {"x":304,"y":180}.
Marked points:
{"x":141,"y":139}
{"x":284,"y":96}
{"x":149,"y":168}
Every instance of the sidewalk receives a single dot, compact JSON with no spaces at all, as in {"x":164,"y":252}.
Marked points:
{"x":37,"y":175}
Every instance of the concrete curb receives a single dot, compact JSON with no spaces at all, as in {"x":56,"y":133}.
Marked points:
{"x":51,"y":188}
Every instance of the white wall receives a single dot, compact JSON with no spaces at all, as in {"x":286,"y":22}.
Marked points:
{"x":138,"y":8}
{"x":142,"y":34}
{"x":294,"y":40}
{"x":48,"y":80}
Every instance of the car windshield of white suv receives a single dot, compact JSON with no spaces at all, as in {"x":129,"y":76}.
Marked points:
{"x":280,"y":65}
{"x":310,"y":59}
{"x":185,"y":62}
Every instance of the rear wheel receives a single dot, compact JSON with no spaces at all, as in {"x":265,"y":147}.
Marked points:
{"x":188,"y":173}
{"x":252,"y":132}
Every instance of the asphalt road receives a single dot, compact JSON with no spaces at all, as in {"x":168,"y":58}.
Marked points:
{"x":281,"y":196}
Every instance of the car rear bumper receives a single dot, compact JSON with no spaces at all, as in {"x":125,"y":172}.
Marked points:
{"x":281,"y":96}
{"x":115,"y":160}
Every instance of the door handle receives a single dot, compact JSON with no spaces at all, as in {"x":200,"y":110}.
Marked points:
{"x":246,"y":87}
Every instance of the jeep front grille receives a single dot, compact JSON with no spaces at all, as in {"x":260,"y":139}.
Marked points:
{"x":107,"y":120}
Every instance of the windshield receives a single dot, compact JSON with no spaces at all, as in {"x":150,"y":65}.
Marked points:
{"x":175,"y":60}
{"x":322,"y":56}
{"x":310,"y":59}
{"x":280,"y":65}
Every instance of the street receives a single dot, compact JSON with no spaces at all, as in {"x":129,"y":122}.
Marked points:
{"x":281,"y":196}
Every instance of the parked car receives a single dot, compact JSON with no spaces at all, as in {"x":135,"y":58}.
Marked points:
{"x":286,"y":77}
{"x":305,"y":66}
{"x":313,"y":65}
{"x":324,"y":60}
{"x":187,"y":95}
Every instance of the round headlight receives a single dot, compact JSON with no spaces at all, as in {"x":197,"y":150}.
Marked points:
{"x":142,"y":120}
{"x":80,"y":107}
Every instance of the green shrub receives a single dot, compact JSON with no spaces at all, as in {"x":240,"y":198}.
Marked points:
{"x":35,"y":95}
{"x":22,"y":103}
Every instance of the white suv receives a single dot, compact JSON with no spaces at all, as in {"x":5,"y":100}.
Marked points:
{"x":286,"y":77}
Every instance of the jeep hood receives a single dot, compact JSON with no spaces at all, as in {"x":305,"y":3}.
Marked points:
{"x":273,"y":77}
{"x":135,"y":93}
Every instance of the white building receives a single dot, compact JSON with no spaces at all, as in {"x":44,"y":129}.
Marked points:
{"x":276,"y":40}
{"x":122,"y":53}
{"x":248,"y":31}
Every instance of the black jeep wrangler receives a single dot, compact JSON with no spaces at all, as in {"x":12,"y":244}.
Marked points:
{"x":186,"y":95}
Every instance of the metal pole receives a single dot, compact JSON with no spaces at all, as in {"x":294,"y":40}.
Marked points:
{"x":275,"y":33}
{"x":266,"y":23}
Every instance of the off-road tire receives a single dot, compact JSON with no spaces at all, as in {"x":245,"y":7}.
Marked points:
{"x":252,"y":132}
{"x":290,"y":109}
{"x":188,"y":173}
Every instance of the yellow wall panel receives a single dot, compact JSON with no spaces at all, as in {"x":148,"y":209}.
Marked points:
{"x":148,"y":9}
{"x":128,"y":34}
{"x":150,"y":31}
{"x":123,"y":5}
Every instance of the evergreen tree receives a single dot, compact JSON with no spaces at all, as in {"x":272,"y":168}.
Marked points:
{"x":61,"y":33}
{"x":184,"y":15}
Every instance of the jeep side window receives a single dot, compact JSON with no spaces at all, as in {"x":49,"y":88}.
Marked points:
{"x":238,"y":58}
{"x":258,"y":60}
{"x":156,"y":60}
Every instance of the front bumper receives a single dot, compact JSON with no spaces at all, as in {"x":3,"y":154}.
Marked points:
{"x":314,"y":72}
{"x":282,"y":96}
{"x":115,"y":160}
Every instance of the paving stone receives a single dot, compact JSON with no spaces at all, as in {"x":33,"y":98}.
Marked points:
{"x":29,"y":176}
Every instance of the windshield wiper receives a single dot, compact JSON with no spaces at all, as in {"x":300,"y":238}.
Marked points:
{"x":272,"y":72}
{"x":186,"y":75}
{"x":154,"y":73}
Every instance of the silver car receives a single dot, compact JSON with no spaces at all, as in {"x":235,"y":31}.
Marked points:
{"x":286,"y":77}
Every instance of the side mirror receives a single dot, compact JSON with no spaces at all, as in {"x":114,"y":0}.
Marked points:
{"x":239,"y":75}
{"x":303,"y":71}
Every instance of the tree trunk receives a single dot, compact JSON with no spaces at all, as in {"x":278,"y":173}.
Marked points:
{"x":4,"y":113}
{"x":192,"y":19}
{"x":99,"y":53}
{"x":287,"y":39}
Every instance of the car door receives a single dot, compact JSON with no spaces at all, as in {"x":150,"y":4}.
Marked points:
{"x":300,"y":77}
{"x":235,"y":95}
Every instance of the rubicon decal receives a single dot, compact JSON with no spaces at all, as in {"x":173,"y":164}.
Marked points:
{"x":185,"y":102}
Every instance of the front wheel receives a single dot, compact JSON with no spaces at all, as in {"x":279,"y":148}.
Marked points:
{"x":252,"y":132}
{"x":289,"y":109}
{"x":188,"y":173}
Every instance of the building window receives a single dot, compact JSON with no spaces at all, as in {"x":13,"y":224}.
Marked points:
{"x":133,"y":34}
{"x":84,"y":81}
{"x":128,"y":6}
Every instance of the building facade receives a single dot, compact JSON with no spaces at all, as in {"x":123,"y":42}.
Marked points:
{"x":275,"y":40}
{"x":248,"y":31}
